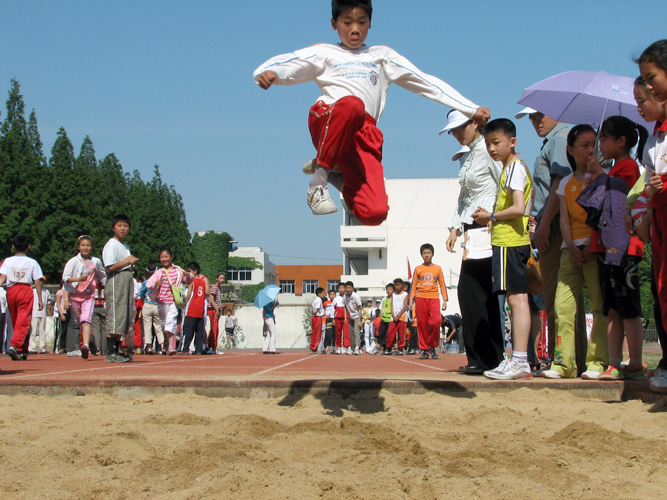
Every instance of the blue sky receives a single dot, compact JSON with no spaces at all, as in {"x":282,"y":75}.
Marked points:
{"x":170,"y":83}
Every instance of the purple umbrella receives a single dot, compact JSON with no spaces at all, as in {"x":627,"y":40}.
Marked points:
{"x":583,"y":97}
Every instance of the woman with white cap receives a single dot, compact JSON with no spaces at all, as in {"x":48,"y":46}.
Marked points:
{"x":478,"y":178}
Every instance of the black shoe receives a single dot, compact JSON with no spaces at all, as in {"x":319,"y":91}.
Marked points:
{"x":13,"y":353}
{"x":472,"y":370}
{"x":411,"y":352}
{"x":386,"y":352}
{"x":111,"y":358}
{"x":434,"y":354}
{"x":424,"y":355}
{"x":122,"y":358}
{"x":399,"y":352}
{"x":196,"y":353}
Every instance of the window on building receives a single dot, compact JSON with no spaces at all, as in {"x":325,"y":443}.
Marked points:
{"x":240,"y":274}
{"x":332,"y":285}
{"x":286,"y":286}
{"x":309,"y":286}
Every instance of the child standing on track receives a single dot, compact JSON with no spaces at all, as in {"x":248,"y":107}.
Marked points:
{"x":341,"y":322}
{"x":424,"y":295}
{"x":354,"y":80}
{"x":317,"y":310}
{"x":20,"y":272}
{"x":195,"y":310}
{"x":510,"y":243}
{"x":82,"y":275}
{"x":399,"y":305}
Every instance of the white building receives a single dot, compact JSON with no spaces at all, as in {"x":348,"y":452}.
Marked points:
{"x":248,"y":276}
{"x":420,"y":211}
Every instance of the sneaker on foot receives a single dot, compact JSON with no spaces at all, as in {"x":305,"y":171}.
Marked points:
{"x":551,"y":374}
{"x":611,"y":373}
{"x":501,"y":367}
{"x":74,"y":354}
{"x":424,"y":355}
{"x":399,"y":352}
{"x":658,"y":384}
{"x":512,"y":370}
{"x":319,"y":201}
{"x":349,"y":350}
{"x":590,"y":375}
{"x":434,"y":354}
{"x":13,"y":353}
{"x":85,"y":350}
{"x":309,"y":167}
{"x":411,"y":352}
{"x":658,"y":374}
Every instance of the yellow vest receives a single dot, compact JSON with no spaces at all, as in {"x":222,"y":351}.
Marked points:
{"x":512,"y":232}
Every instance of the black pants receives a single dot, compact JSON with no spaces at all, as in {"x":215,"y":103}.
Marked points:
{"x":193,"y":327}
{"x":480,"y":314}
{"x":413,"y":343}
{"x":382,"y":337}
{"x":329,"y":334}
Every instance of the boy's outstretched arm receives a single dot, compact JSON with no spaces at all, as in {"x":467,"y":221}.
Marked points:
{"x":481,"y":116}
{"x":266,"y":79}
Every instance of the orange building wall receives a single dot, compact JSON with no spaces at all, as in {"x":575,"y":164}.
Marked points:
{"x":300,"y":273}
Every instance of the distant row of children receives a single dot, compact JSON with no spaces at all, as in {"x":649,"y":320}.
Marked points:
{"x":87,"y":280}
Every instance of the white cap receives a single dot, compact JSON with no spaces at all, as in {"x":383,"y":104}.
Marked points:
{"x":460,"y":153}
{"x":524,"y":112}
{"x":454,"y":119}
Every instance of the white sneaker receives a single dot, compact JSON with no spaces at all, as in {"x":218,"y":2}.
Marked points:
{"x":510,"y":370}
{"x":348,"y":350}
{"x":498,"y":369}
{"x":309,"y":167}
{"x":658,"y":385}
{"x":74,"y":354}
{"x":659,"y":374}
{"x":319,"y":201}
{"x":357,"y":352}
{"x":550,"y":374}
{"x":590,"y":375}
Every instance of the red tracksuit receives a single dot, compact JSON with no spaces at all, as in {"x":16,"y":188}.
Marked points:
{"x":19,"y":302}
{"x":345,"y":136}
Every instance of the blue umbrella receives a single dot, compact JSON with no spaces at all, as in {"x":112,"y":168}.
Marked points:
{"x":266,"y":295}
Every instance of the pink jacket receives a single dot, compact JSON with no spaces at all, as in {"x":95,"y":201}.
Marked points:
{"x":160,"y":274}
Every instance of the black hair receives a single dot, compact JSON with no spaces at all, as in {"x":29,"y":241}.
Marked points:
{"x":151,"y":267}
{"x":390,"y":284}
{"x":349,"y":283}
{"x":21,"y":242}
{"x":503,"y":125}
{"x":620,"y":126}
{"x":120,"y":218}
{"x":572,"y":136}
{"x":397,"y":281}
{"x":194,"y":266}
{"x":338,"y":6}
{"x":655,"y":53}
{"x":339,"y":285}
{"x":426,"y":246}
{"x":319,"y":290}
{"x":220,"y":273}
{"x":168,"y":250}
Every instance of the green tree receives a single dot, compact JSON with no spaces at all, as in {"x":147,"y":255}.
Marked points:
{"x":63,"y":223}
{"x":211,"y":252}
{"x":23,"y":203}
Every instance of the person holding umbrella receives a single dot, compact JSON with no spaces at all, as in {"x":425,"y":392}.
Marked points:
{"x":267,"y":301}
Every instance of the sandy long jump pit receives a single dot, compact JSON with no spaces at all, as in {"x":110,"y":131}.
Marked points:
{"x":302,"y":426}
{"x":523,"y":443}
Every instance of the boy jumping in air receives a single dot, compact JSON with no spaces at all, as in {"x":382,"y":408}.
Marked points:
{"x":354,"y":80}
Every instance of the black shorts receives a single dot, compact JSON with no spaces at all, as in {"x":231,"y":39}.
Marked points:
{"x":620,"y":288}
{"x":510,"y":269}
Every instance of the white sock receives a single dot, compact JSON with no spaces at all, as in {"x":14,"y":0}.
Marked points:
{"x":520,"y":357}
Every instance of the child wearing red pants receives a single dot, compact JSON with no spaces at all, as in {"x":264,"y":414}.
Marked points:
{"x":20,"y":272}
{"x":354,"y":80}
{"x":424,"y":295}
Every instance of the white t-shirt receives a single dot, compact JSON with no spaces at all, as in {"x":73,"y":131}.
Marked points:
{"x":353,"y":304}
{"x":114,"y":252}
{"x":316,"y":307}
{"x":398,"y":301}
{"x":77,"y":266}
{"x":21,"y":269}
{"x":365,"y":73}
{"x":46,"y":296}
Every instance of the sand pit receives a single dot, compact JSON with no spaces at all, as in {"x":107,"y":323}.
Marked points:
{"x":521,"y":444}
